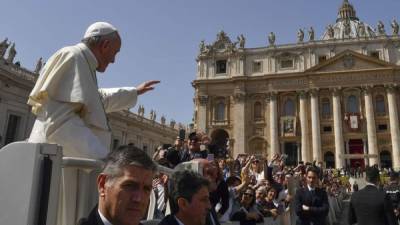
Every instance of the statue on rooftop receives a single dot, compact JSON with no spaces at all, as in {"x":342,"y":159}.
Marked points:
{"x":39,"y":65}
{"x":395,"y":27}
{"x":202,"y":46}
{"x":330,"y":31}
{"x":380,"y":28}
{"x":153,"y":115}
{"x":311,"y":34}
{"x":361,"y":30}
{"x":242,"y":41}
{"x":271,"y":39}
{"x":346,"y":28}
{"x":221,"y":36}
{"x":11,"y":54}
{"x":172,"y":123}
{"x":3,"y":47}
{"x":163,"y":120}
{"x":141,"y":110}
{"x":300,"y":35}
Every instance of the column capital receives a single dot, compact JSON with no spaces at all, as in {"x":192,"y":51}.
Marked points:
{"x":203,"y":99}
{"x":302,"y":93}
{"x":239,"y":96}
{"x":390,"y":88}
{"x":271,"y":96}
{"x":314,"y":92}
{"x":367,"y":89}
{"x":336,"y":91}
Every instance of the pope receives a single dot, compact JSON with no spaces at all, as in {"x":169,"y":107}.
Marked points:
{"x":70,"y":109}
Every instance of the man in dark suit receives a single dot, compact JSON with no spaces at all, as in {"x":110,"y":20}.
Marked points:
{"x":189,"y":199}
{"x":124,"y":188}
{"x":371,"y":206}
{"x":310,"y":202}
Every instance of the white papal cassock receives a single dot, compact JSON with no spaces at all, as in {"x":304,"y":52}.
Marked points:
{"x":70,"y":109}
{"x":71,"y":112}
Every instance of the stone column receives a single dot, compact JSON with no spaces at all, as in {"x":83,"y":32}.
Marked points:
{"x":273,"y":124}
{"x":371,"y":129}
{"x":338,"y":129}
{"x":394,"y":126}
{"x":365,"y":150}
{"x":347,"y":151}
{"x":315,"y":127}
{"x":202,"y":113}
{"x":239,"y":130}
{"x":298,"y":151}
{"x":304,"y":127}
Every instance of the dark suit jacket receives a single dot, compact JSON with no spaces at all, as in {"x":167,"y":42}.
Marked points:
{"x":370,"y":206}
{"x":169,"y":220}
{"x":92,"y":219}
{"x":318,"y":203}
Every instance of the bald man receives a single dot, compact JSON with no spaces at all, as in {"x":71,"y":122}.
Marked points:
{"x":69,"y":106}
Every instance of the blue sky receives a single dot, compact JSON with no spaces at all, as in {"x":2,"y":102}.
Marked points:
{"x":161,"y":38}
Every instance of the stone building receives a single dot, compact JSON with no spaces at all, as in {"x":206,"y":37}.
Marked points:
{"x":335,"y":99}
{"x":16,"y":119}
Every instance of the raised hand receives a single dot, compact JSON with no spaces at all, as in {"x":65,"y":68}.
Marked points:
{"x":146,"y":86}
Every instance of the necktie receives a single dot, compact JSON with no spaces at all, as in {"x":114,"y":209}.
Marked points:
{"x":161,"y":198}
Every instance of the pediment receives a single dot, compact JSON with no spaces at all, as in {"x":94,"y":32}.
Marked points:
{"x":348,"y":61}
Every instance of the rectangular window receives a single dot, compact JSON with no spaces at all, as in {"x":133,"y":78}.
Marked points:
{"x":374,"y":54}
{"x":221,"y":66}
{"x":382,"y":127}
{"x":13,"y":126}
{"x":321,"y":58}
{"x":257,"y":67}
{"x":287,"y":63}
{"x":327,"y":129}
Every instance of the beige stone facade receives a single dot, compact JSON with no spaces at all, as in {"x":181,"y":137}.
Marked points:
{"x":16,"y":119}
{"x":334,"y":100}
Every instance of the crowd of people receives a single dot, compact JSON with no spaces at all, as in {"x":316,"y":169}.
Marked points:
{"x":250,"y":188}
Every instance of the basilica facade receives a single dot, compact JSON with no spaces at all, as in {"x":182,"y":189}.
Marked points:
{"x":334,"y":99}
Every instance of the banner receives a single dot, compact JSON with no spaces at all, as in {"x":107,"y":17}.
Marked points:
{"x":354,"y":122}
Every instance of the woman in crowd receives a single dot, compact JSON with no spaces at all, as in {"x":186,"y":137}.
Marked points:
{"x":244,"y":209}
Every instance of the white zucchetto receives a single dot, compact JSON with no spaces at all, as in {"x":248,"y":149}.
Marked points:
{"x":99,"y":29}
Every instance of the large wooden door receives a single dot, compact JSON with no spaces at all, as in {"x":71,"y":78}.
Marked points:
{"x":356,"y":146}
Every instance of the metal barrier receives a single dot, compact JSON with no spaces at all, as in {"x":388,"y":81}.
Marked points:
{"x":78,"y":189}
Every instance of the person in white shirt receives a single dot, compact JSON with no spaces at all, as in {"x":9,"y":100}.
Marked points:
{"x":70,"y":109}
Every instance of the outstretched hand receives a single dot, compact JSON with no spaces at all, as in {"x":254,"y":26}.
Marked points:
{"x":146,"y":86}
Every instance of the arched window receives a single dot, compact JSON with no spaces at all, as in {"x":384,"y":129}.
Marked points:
{"x":380,"y":104}
{"x":326,"y":108}
{"x":220,"y":111}
{"x":352,"y":104}
{"x":329,"y":159}
{"x":289,"y":108}
{"x":257,"y":110}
